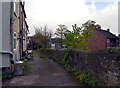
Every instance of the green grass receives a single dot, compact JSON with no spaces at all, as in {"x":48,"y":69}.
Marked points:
{"x":6,"y":76}
{"x":40,"y":54}
{"x":25,"y":67}
{"x":32,"y":56}
{"x":0,"y":77}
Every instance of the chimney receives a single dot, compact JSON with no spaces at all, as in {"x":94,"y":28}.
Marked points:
{"x":24,"y":3}
{"x":108,"y":30}
{"x":119,"y":35}
{"x":99,"y":27}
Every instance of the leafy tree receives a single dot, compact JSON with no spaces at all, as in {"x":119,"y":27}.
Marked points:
{"x":42,"y":37}
{"x":60,"y":32}
{"x":78,"y":38}
{"x":90,"y":23}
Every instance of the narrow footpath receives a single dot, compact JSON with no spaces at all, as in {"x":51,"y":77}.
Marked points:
{"x":42,"y":72}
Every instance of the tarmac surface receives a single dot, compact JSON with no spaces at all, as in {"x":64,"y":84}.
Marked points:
{"x":42,"y":72}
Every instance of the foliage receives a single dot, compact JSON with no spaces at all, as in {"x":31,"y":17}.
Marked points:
{"x":60,"y":33}
{"x":0,"y":77}
{"x":86,"y":63}
{"x":25,"y":65}
{"x":51,"y":57}
{"x":78,"y":38}
{"x":31,"y":56}
{"x":6,"y":76}
{"x":41,"y":55}
{"x":90,"y":23}
{"x":42,"y":37}
{"x":25,"y":68}
{"x":66,"y":56}
{"x":85,"y":79}
{"x":61,"y":30}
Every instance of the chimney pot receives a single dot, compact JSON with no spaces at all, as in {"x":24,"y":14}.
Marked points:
{"x":24,"y":3}
{"x":99,"y":27}
{"x":119,"y":35}
{"x":108,"y":30}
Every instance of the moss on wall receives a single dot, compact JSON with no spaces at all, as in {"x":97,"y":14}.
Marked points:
{"x":104,"y":65}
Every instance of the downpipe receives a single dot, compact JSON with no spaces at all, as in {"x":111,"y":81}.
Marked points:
{"x":11,"y":32}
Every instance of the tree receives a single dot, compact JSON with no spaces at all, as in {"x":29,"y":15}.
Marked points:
{"x":78,"y":38}
{"x":60,"y":32}
{"x":43,"y":37}
{"x":90,"y":23}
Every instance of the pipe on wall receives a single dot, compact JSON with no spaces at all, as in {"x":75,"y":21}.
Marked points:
{"x":10,"y":53}
{"x":11,"y":33}
{"x":11,"y":26}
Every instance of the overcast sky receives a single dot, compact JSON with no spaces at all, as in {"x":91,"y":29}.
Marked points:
{"x":69,"y":12}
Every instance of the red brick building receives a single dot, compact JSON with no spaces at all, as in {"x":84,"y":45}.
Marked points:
{"x":102,"y":39}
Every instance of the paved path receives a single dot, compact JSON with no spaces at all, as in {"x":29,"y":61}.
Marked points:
{"x":43,"y":72}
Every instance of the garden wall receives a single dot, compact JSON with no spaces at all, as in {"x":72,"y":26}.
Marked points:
{"x":104,"y":65}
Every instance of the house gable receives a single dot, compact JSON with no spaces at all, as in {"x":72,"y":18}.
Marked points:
{"x":97,"y":41}
{"x":101,"y":39}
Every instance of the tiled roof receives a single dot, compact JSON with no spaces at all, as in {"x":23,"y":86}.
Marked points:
{"x":107,"y":33}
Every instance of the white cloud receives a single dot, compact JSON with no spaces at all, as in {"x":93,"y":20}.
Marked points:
{"x":108,"y":18}
{"x":55,"y":12}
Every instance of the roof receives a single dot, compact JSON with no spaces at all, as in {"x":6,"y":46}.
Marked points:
{"x":55,"y":40}
{"x":107,"y":34}
{"x":23,"y":9}
{"x":26,"y":25}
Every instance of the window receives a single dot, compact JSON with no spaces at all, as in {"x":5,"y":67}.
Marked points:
{"x":53,"y":42}
{"x":18,"y":10}
{"x":15,"y":6}
{"x":108,"y":40}
{"x":15,"y":35}
{"x":26,"y":31}
{"x":15,"y":40}
{"x":117,"y":41}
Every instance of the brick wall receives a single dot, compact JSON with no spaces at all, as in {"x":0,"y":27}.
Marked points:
{"x":97,"y":41}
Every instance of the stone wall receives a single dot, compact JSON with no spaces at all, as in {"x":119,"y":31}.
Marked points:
{"x":104,"y":65}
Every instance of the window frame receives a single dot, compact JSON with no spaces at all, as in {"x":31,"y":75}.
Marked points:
{"x":18,"y":10}
{"x":15,"y":6}
{"x":108,"y":40}
{"x":15,"y":41}
{"x":117,"y":40}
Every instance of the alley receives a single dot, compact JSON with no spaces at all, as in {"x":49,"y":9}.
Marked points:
{"x":42,"y":72}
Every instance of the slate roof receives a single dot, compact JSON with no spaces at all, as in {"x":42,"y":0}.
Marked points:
{"x":107,"y":34}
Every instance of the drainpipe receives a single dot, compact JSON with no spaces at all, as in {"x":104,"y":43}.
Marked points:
{"x":10,"y":53}
{"x":11,"y":33}
{"x":11,"y":26}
